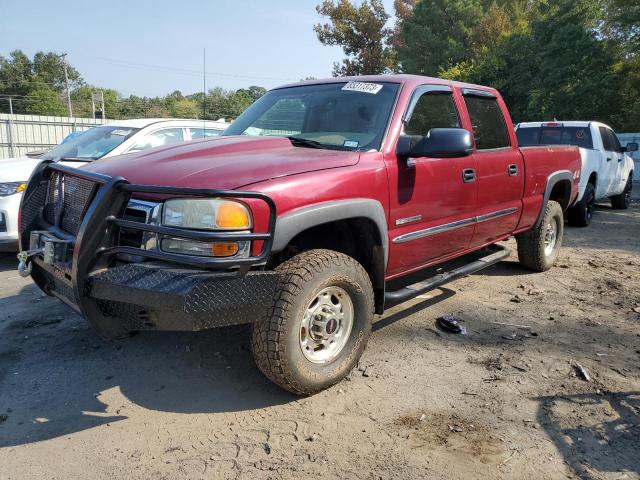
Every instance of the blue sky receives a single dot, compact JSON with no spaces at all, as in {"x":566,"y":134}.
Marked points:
{"x":154,"y":47}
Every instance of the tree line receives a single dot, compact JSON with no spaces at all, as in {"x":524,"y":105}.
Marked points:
{"x":565,"y":59}
{"x":37,"y":86}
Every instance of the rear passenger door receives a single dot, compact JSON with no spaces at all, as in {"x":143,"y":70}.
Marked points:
{"x":619,"y":175}
{"x":610,"y":161}
{"x":499,"y":169}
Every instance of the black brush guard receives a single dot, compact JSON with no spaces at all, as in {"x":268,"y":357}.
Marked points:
{"x":168,"y":291}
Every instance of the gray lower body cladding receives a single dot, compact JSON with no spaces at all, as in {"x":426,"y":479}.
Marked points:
{"x":157,"y":297}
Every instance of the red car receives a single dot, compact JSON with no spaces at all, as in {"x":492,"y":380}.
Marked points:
{"x":299,"y":219}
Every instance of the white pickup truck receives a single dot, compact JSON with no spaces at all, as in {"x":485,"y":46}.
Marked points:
{"x":607,"y":173}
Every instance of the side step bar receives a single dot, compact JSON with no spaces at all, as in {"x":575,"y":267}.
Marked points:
{"x":394,"y":298}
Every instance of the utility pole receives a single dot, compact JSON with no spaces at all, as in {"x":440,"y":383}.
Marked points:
{"x":10,"y":130}
{"x":66,"y":81}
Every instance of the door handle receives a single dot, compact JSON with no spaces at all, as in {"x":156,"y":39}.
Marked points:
{"x":512,"y":170}
{"x":608,"y":159}
{"x":468,"y":175}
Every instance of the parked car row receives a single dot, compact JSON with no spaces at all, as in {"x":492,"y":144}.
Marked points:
{"x":116,"y":138}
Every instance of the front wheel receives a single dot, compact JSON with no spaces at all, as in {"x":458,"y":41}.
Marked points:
{"x":538,"y":248}
{"x":319,"y":323}
{"x":623,"y":201}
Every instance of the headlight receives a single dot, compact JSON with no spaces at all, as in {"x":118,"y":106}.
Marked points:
{"x":206,"y":214}
{"x":11,"y":188}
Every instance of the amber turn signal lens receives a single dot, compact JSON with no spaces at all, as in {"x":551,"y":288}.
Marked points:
{"x":21,"y":187}
{"x":232,"y":215}
{"x":224,"y":249}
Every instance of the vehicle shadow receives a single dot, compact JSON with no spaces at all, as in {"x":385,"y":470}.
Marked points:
{"x":596,"y":434}
{"x":60,"y":378}
{"x":8,"y":262}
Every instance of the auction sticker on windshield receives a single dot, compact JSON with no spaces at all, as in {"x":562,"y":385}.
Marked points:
{"x":363,"y":87}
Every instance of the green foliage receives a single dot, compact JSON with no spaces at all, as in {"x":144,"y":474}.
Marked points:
{"x":42,"y":100}
{"x":622,"y":22}
{"x":566,"y":59}
{"x":438,"y":35}
{"x":360,"y":31}
{"x":38,"y":87}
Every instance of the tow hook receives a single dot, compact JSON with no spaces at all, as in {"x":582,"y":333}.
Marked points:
{"x":24,"y":263}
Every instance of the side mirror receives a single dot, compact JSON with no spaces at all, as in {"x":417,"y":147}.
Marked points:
{"x":438,"y":143}
{"x":631,"y":147}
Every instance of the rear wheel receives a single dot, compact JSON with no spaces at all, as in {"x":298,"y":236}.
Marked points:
{"x":581,"y":214}
{"x":623,"y":201}
{"x":319,"y":324}
{"x":538,"y":248}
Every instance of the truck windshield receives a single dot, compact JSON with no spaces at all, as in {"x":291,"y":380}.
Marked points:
{"x":556,"y":135}
{"x":92,"y":144}
{"x":339,"y":116}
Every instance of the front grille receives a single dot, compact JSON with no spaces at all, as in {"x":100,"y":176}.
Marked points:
{"x":76,"y":192}
{"x":3,"y":223}
{"x":133,"y":238}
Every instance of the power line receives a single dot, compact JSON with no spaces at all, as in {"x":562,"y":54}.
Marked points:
{"x":179,"y":70}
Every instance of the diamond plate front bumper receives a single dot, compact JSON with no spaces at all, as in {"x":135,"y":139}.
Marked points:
{"x":157,"y":297}
{"x":165,"y":291}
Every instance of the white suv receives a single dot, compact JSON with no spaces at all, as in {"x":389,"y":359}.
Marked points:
{"x":116,"y":138}
{"x":607,"y":173}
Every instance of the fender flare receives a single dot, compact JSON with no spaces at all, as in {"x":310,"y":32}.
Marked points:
{"x":552,"y":180}
{"x":296,"y":221}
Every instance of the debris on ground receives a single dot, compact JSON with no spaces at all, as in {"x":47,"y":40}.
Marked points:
{"x":451,"y":324}
{"x":3,"y":417}
{"x":581,"y":371}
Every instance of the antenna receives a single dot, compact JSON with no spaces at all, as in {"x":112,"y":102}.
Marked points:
{"x":204,"y":90}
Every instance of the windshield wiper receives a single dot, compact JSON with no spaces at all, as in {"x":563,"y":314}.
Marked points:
{"x":305,"y":142}
{"x":76,"y":159}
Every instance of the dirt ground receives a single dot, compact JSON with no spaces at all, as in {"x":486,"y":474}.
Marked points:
{"x":500,"y":402}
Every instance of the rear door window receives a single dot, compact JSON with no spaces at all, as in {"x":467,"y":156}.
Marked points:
{"x":489,"y":126}
{"x":607,"y":142}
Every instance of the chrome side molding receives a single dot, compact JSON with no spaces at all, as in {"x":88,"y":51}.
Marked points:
{"x":407,"y":237}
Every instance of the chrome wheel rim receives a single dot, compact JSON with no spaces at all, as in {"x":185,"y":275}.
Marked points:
{"x":326,"y":325}
{"x":550,"y":237}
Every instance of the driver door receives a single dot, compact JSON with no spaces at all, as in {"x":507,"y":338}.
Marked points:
{"x":433,"y":199}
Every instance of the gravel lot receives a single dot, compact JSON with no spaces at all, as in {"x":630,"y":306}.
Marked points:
{"x":500,"y":402}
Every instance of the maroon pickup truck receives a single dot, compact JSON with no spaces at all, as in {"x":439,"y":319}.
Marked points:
{"x":300,"y":220}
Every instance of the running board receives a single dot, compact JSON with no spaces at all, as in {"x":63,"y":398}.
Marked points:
{"x":394,"y":298}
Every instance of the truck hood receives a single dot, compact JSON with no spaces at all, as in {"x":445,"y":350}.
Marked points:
{"x":221,"y":163}
{"x":17,"y":169}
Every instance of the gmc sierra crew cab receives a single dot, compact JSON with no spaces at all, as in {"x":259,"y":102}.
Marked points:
{"x":300,"y":219}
